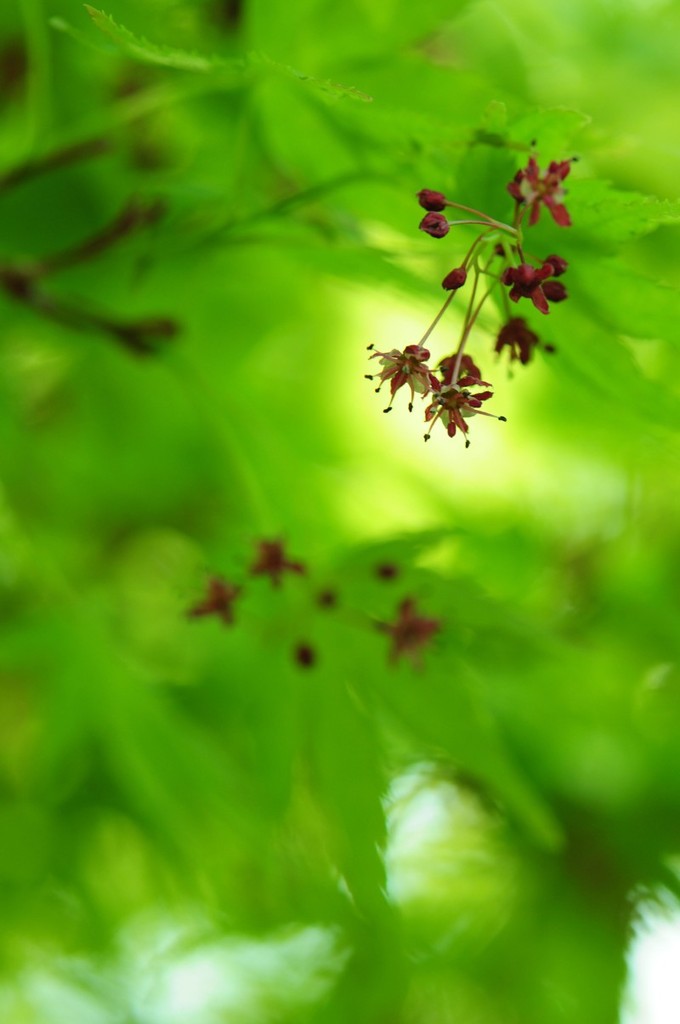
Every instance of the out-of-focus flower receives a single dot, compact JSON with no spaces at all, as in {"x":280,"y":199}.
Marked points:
{"x":531,"y":188}
{"x":272,"y":561}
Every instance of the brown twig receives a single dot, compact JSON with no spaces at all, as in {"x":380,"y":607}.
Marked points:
{"x":138,"y":336}
{"x":136,"y":214}
{"x":54,"y":160}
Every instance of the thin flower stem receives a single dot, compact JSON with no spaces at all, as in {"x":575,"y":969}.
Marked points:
{"x":506,"y":303}
{"x":484,"y":216}
{"x":478,"y":239}
{"x":455,"y":223}
{"x":468,"y":311}
{"x":436,"y":320}
{"x":466,"y":332}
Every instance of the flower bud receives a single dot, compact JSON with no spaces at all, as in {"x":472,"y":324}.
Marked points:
{"x":554,"y":291}
{"x":430,"y":200}
{"x":455,"y":279}
{"x":434,"y":224}
{"x":558,"y":264}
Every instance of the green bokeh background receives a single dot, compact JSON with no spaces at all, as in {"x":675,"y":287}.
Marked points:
{"x":193,"y":826}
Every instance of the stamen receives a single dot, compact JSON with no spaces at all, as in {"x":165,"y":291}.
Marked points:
{"x":410,"y":406}
{"x":368,"y":376}
{"x":369,"y":347}
{"x":467,"y":443}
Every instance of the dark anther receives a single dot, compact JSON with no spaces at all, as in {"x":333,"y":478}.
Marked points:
{"x":388,"y":409}
{"x":410,"y":406}
{"x":305,"y":655}
{"x":387,"y":571}
{"x":503,"y":419}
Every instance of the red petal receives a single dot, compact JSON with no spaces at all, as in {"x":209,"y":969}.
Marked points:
{"x":560,"y":214}
{"x":539,"y":300}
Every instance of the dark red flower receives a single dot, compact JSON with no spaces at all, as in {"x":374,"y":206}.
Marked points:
{"x":558,"y":264}
{"x":453,"y":404}
{"x":519,"y":339}
{"x":430,"y":200}
{"x":455,"y":279}
{"x":435,"y":224}
{"x":271,"y":561}
{"x":218,"y":600}
{"x":531,"y":188}
{"x":555,"y":291}
{"x":408,"y":367}
{"x":468,"y":371}
{"x":526,"y":282}
{"x":305,"y":655}
{"x":387,"y":571}
{"x":410,"y":633}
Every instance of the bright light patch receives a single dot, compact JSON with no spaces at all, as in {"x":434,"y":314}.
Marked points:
{"x":653,"y":995}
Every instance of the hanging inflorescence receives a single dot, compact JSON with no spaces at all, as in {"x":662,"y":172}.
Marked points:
{"x":495,"y":262}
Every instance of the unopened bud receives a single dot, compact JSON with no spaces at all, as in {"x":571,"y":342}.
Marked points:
{"x":430,"y":200}
{"x":434,"y":224}
{"x":455,"y":279}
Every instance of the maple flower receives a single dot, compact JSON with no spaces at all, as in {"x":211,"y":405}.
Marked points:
{"x":519,"y":339}
{"x":558,"y":264}
{"x":407,"y":367}
{"x":531,"y":188}
{"x":410,"y":633}
{"x":527,"y":281}
{"x":555,"y":291}
{"x":453,"y":403}
{"x":435,"y":224}
{"x":271,"y":561}
{"x":430,"y":200}
{"x":218,"y":600}
{"x":467,"y":369}
{"x":455,"y":279}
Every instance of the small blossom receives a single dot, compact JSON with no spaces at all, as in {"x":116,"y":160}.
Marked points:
{"x":519,"y":339}
{"x":429,"y":200}
{"x":468,"y":371}
{"x":271,"y":561}
{"x":408,"y":367}
{"x":531,"y":188}
{"x":453,"y":404}
{"x":455,"y":279}
{"x":387,"y":571}
{"x":555,"y":291}
{"x":218,"y":600}
{"x":410,"y":633}
{"x":305,"y":655}
{"x":558,"y":264}
{"x":526,"y":282}
{"x":435,"y":224}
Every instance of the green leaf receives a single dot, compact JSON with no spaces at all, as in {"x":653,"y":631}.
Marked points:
{"x":610,"y":216}
{"x":152,"y":53}
{"x":624,"y":300}
{"x":141,"y":49}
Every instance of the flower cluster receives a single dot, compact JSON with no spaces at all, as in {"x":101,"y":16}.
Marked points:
{"x":410,"y":633}
{"x":495,"y":262}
